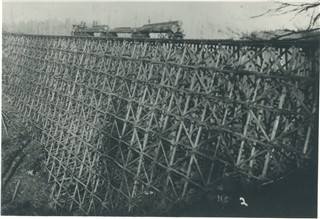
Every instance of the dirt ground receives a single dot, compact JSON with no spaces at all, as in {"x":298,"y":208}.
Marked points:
{"x":24,"y":187}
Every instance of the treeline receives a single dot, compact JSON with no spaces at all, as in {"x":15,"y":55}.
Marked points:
{"x":47,"y":27}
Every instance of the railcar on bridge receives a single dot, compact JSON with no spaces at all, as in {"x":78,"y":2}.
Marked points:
{"x":169,"y":30}
{"x":95,"y":30}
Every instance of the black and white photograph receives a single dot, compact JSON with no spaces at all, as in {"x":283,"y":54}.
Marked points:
{"x":160,"y":108}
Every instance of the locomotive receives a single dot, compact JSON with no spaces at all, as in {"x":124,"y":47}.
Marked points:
{"x":170,"y":30}
{"x":95,"y":30}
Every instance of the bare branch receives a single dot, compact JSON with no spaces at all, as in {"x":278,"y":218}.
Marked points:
{"x":297,"y":32}
{"x":316,"y":18}
{"x":297,"y":8}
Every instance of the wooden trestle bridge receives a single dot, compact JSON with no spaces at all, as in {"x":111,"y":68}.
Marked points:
{"x":121,"y":119}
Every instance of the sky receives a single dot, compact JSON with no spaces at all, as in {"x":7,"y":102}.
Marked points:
{"x":208,"y":19}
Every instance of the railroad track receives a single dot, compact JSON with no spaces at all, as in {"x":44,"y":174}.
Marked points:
{"x":300,"y":42}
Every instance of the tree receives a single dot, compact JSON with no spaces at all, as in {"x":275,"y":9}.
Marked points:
{"x":298,"y":9}
{"x":311,"y":9}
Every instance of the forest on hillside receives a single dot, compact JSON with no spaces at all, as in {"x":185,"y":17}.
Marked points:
{"x":47,"y":27}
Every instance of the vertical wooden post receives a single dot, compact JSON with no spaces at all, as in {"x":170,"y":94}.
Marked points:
{"x":274,"y":131}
